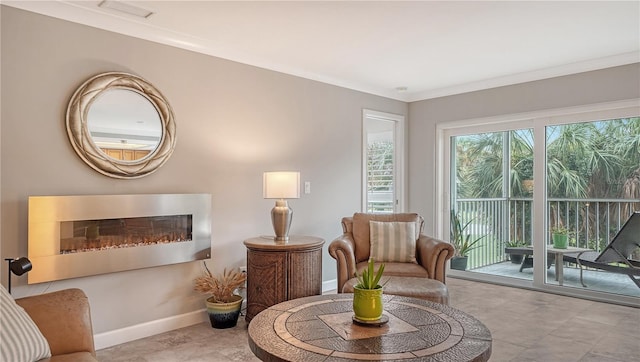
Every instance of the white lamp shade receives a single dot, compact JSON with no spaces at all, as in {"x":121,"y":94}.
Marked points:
{"x":281,"y":185}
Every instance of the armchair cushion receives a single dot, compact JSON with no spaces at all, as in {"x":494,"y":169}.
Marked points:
{"x":397,"y":269}
{"x":361,"y":230}
{"x":21,"y":338}
{"x":393,"y":241}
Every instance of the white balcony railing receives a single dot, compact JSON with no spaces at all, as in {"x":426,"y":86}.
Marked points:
{"x":592,"y":222}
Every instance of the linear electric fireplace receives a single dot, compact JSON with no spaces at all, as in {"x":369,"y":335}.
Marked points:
{"x":77,"y":236}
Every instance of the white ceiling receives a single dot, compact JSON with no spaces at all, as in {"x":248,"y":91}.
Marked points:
{"x":433,"y":48}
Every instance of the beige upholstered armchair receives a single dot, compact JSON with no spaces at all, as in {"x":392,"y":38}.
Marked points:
{"x":352,"y":249}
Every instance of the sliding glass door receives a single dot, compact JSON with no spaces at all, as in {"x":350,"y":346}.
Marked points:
{"x":510,"y":186}
{"x":593,"y":187}
{"x":491,"y":198}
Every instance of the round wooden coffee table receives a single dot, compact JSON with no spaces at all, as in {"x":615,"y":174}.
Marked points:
{"x":319,"y":328}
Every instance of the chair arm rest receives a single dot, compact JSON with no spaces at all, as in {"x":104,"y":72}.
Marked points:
{"x":433,"y":254}
{"x":64,"y":319}
{"x":342,"y":249}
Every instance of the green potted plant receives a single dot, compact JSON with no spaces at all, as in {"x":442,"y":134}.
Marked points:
{"x":462,"y":242}
{"x":560,"y":236}
{"x":515,"y":258}
{"x":223,"y":305}
{"x":367,"y":294}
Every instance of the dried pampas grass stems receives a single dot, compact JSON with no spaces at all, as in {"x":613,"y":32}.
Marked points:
{"x":220,"y":287}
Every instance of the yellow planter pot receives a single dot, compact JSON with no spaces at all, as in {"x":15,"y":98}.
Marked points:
{"x":367,"y":303}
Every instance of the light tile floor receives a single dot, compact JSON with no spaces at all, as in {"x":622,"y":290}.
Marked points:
{"x":526,"y":326}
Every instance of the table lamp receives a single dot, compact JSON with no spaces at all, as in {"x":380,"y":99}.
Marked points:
{"x":281,"y":186}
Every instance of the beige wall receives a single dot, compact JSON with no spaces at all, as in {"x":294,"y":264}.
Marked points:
{"x":233,"y":122}
{"x":613,"y":84}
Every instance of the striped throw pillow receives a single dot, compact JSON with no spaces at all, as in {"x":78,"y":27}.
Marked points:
{"x":393,"y":241}
{"x":21,"y":339}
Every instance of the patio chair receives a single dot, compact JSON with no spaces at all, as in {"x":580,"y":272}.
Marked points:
{"x":619,"y":251}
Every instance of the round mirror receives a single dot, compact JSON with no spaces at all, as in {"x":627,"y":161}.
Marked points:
{"x":124,"y":124}
{"x":120,"y":125}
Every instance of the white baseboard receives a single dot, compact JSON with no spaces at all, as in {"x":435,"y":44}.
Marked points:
{"x":329,"y":285}
{"x":131,"y":333}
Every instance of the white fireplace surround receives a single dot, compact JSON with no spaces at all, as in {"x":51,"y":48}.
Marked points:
{"x":47,"y":213}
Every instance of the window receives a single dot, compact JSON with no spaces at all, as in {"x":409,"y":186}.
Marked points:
{"x":382,"y":162}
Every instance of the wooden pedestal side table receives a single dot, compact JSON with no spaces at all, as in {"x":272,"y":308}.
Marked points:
{"x":277,"y":272}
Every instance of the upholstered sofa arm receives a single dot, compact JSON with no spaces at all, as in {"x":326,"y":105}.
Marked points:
{"x":433,"y":254}
{"x":343,"y":250}
{"x":64,"y":319}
